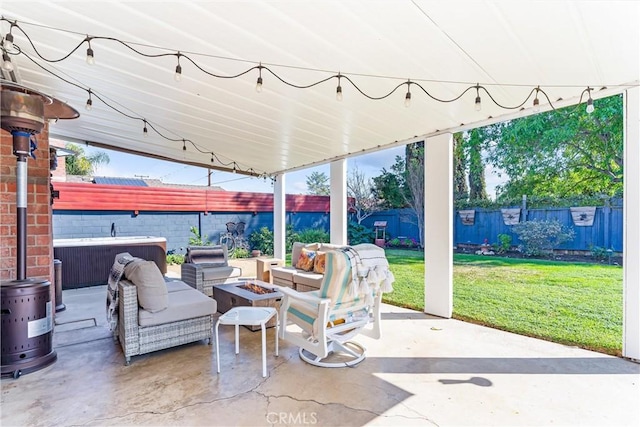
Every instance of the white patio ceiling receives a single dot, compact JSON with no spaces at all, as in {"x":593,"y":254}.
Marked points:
{"x":509,"y":47}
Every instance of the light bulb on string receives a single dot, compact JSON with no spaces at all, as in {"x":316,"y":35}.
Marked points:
{"x":234,"y":167}
{"x":590,"y":107}
{"x":8,"y":41}
{"x":339,"y":90}
{"x":178,"y":75}
{"x":478,"y":103}
{"x":7,"y":65}
{"x":145,"y":132}
{"x":89,"y":105}
{"x":184,"y":145}
{"x":259,"y":81}
{"x":536,"y":101}
{"x":407,"y":97}
{"x":211,"y":157}
{"x":90,"y":58}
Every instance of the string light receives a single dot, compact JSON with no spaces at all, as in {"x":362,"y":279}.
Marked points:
{"x":478,"y":104}
{"x":89,"y":105}
{"x":8,"y":40}
{"x":259,"y":81}
{"x":590,"y":107}
{"x":90,"y":59}
{"x":145,"y":132}
{"x":184,"y":145}
{"x":407,"y":97}
{"x":178,"y":75}
{"x":7,"y":65}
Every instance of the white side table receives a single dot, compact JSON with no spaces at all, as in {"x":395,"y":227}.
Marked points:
{"x":249,"y":316}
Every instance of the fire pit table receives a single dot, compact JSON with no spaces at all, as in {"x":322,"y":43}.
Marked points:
{"x":249,"y":293}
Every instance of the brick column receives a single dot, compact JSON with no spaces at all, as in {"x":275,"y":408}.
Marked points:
{"x":39,"y":218}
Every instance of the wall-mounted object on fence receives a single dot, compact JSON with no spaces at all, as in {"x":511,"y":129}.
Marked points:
{"x":511,"y":216}
{"x":583,"y":216}
{"x":467,"y":216}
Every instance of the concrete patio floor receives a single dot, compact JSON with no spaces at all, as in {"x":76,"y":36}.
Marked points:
{"x":424,"y":371}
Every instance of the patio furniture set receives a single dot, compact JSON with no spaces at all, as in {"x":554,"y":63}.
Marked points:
{"x":155,"y":313}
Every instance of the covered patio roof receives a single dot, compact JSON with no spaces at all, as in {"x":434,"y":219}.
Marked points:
{"x":507,"y":48}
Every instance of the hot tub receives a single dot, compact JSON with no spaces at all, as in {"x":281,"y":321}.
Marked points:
{"x":87,"y":261}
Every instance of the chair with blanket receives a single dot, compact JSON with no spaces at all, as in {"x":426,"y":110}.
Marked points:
{"x":323,"y":322}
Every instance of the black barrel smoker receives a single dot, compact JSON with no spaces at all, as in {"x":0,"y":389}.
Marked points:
{"x":27,"y":309}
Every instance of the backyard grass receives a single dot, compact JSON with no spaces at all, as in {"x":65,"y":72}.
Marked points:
{"x":570,"y":303}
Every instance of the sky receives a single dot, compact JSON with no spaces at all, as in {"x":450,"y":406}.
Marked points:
{"x":132,"y":166}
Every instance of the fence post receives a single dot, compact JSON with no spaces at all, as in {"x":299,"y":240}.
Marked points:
{"x":525,"y":212}
{"x":606,"y":210}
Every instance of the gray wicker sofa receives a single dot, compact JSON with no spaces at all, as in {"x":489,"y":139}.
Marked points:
{"x":187,"y":318}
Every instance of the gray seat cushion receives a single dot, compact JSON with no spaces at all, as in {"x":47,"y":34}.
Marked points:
{"x":186,"y":304}
{"x":220,"y":273}
{"x":177,"y":285}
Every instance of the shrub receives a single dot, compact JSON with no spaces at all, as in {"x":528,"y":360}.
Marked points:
{"x":313,"y":235}
{"x":504,"y":243}
{"x":175,"y":259}
{"x":403,"y":242}
{"x":358,"y":233}
{"x":262,"y":240}
{"x":196,"y":239}
{"x":540,"y":237}
{"x":241,"y":253}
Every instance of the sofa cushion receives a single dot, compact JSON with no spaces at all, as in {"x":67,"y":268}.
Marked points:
{"x":220,"y":273}
{"x":319,"y":262}
{"x":306,"y":259}
{"x":177,"y":285}
{"x":183,"y":305}
{"x":150,"y":284}
{"x":283,"y":273}
{"x":297,"y":248}
{"x":313,"y":280}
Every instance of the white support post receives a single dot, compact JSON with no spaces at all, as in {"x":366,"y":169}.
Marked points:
{"x":438,"y":225}
{"x":279,"y":217}
{"x":338,"y":204}
{"x":631,"y":228}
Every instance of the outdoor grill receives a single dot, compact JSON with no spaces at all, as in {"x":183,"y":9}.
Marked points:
{"x":27,"y":322}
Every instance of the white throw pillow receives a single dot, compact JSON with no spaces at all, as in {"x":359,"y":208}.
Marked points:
{"x":152,"y":290}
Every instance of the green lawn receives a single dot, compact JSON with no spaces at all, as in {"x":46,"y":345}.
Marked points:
{"x":571,"y":303}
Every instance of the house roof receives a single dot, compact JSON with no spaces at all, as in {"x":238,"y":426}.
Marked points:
{"x":507,"y":47}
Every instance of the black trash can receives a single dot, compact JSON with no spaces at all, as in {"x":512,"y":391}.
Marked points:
{"x":57,"y":270}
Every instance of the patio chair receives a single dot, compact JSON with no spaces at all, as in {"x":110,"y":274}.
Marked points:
{"x":207,"y":266}
{"x":323,"y":322}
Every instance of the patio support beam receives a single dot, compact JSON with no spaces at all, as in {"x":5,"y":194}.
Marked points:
{"x":338,"y":203}
{"x":279,"y":217}
{"x":438,"y":225}
{"x":631,"y":227}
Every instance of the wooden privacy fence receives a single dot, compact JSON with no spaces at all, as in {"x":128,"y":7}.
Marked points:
{"x":594,"y":227}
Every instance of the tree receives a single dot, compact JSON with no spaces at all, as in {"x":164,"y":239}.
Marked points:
{"x":362,"y":199}
{"x":318,"y":184}
{"x":414,"y":181}
{"x":460,"y":188}
{"x":562,"y":153}
{"x":389,"y":187}
{"x":80,"y":164}
{"x":477,"y":186}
